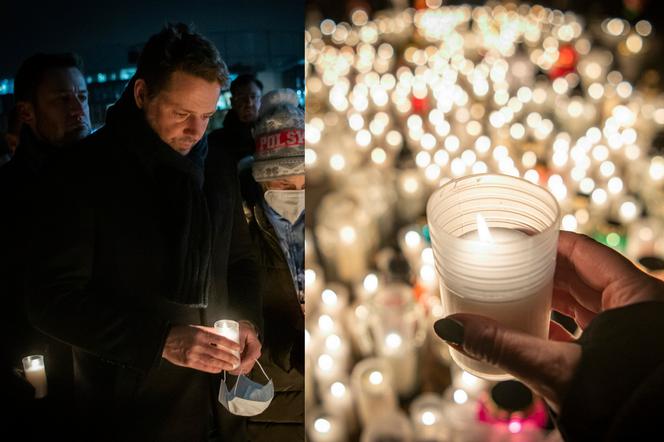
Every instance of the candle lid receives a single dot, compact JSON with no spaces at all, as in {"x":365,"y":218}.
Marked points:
{"x":512,"y":396}
{"x":652,"y":263}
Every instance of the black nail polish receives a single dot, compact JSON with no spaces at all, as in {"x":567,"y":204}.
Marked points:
{"x":449,"y":330}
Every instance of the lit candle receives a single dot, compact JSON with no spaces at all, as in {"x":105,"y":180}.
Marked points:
{"x":426,"y":415}
{"x":390,"y":426}
{"x":470,"y":384}
{"x":511,"y":275}
{"x":333,"y":299}
{"x":338,"y":397}
{"x":324,"y":426}
{"x":230,"y":330}
{"x":35,"y":373}
{"x":372,"y":386}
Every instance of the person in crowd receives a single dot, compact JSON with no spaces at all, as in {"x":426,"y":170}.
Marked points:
{"x":277,"y":227}
{"x":52,"y":108}
{"x":608,"y":384}
{"x":236,"y":134}
{"x":141,"y":246}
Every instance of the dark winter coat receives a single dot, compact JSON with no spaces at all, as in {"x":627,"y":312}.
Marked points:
{"x":19,"y":191}
{"x":104,"y":258}
{"x":617,"y":391}
{"x":283,"y":347}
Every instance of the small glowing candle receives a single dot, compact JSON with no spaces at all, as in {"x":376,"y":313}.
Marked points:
{"x":35,"y":373}
{"x":230,"y":330}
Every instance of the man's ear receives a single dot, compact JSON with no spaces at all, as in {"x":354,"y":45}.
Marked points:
{"x":140,"y":92}
{"x":26,"y":112}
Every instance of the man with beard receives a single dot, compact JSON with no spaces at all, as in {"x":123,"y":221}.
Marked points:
{"x":52,"y":107}
{"x":142,"y":247}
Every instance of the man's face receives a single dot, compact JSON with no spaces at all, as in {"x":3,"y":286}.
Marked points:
{"x":60,"y":114}
{"x":246,"y":102}
{"x":295,"y":182}
{"x":181,"y":111}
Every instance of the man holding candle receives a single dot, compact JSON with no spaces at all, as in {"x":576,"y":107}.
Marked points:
{"x":52,"y":108}
{"x":608,"y":384}
{"x":141,"y":247}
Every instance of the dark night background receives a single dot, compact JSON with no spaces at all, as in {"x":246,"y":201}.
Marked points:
{"x":264,"y":37}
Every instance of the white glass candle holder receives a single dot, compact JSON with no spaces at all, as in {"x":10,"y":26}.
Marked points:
{"x":35,"y":373}
{"x":230,"y":330}
{"x":426,"y":415}
{"x":371,"y":381}
{"x":338,"y":396}
{"x":397,"y":326}
{"x":324,"y":426}
{"x":391,"y":426}
{"x":507,"y":274}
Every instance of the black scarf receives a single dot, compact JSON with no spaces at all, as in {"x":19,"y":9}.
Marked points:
{"x":179,"y":180}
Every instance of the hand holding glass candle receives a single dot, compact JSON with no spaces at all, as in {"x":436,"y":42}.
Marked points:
{"x":494,"y":239}
{"x":230,"y":330}
{"x":35,"y":373}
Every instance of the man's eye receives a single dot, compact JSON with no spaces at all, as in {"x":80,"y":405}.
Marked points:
{"x":181,"y":115}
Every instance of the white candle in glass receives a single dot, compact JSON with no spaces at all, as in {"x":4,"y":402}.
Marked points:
{"x":402,"y":357}
{"x":372,"y":386}
{"x":333,"y":299}
{"x":500,"y":271}
{"x":230,"y":330}
{"x":467,"y":382}
{"x":325,"y":427}
{"x":426,"y":415}
{"x":35,"y":373}
{"x":338,"y":396}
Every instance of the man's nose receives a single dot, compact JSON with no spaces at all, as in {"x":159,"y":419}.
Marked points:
{"x":77,"y":106}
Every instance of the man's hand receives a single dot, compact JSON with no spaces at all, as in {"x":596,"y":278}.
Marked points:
{"x":250,"y":348}
{"x":200,"y":348}
{"x":589,"y":279}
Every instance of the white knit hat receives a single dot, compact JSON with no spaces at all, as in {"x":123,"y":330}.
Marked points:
{"x":279,"y":135}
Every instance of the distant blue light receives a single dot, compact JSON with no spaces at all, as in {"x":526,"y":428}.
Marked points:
{"x":6,"y":86}
{"x":88,"y":79}
{"x":113,"y":76}
{"x":101,"y":78}
{"x":127,"y":73}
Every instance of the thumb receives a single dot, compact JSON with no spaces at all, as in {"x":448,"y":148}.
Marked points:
{"x":545,"y":366}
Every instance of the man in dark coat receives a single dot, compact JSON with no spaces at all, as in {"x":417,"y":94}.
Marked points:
{"x":236,"y":134}
{"x":52,"y":103}
{"x":277,"y":227}
{"x":142,"y":247}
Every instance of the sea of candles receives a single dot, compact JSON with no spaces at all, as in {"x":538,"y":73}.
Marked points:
{"x":404,"y":100}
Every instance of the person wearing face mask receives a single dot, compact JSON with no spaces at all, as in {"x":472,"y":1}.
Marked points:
{"x":277,"y":227}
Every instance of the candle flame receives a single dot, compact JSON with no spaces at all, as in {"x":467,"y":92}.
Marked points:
{"x":483,"y":229}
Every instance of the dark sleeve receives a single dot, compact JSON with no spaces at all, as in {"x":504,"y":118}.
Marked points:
{"x":244,"y":271}
{"x":619,"y":385}
{"x":65,"y":298}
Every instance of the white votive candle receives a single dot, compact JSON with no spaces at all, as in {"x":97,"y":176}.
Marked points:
{"x":230,"y":330}
{"x":35,"y":373}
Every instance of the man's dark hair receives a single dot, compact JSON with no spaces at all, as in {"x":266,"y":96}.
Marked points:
{"x":31,"y":72}
{"x":177,"y":48}
{"x":244,"y":80}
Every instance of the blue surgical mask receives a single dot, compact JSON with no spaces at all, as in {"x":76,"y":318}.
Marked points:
{"x":247,"y":398}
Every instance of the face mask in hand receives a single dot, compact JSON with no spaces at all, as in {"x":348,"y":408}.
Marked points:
{"x":247,"y":398}
{"x":287,"y":203}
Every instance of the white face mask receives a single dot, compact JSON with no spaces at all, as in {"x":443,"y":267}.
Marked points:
{"x":247,"y":398}
{"x":287,"y":203}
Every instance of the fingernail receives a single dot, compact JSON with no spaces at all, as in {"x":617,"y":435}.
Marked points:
{"x":449,"y":330}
